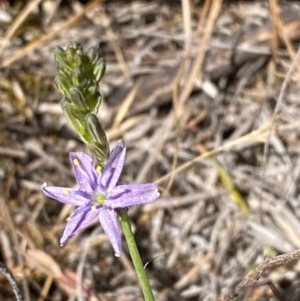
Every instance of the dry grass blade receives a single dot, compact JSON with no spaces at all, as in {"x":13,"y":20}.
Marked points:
{"x":113,"y":40}
{"x":257,"y":136}
{"x":188,"y":87}
{"x":18,"y":22}
{"x":48,"y":37}
{"x":123,"y":110}
{"x":275,"y":17}
{"x":187,"y":22}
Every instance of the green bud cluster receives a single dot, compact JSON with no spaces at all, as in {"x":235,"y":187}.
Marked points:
{"x":79,"y":74}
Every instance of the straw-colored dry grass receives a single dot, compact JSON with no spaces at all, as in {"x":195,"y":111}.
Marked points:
{"x":206,"y":96}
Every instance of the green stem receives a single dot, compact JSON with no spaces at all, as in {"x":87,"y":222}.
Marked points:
{"x":135,"y":256}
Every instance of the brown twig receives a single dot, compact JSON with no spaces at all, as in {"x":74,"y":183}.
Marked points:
{"x":254,"y":275}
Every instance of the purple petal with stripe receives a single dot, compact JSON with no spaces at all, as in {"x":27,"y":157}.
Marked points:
{"x":84,"y":170}
{"x":80,"y":219}
{"x":128,"y":195}
{"x":110,"y":224}
{"x":65,"y":195}
{"x":112,"y":171}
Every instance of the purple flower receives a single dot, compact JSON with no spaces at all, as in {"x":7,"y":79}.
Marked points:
{"x":99,"y":195}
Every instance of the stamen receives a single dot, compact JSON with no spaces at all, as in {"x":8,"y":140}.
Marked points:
{"x":66,"y":191}
{"x":93,"y":208}
{"x":76,"y":162}
{"x":98,"y":169}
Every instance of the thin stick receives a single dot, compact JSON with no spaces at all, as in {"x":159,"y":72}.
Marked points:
{"x":10,"y":278}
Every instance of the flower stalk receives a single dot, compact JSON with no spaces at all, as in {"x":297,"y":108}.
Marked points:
{"x":135,"y":256}
{"x":99,"y":194}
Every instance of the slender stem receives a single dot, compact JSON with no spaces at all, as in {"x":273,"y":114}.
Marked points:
{"x":135,"y":256}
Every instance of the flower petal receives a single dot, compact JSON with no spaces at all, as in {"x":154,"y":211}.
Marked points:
{"x":127,"y":195}
{"x":79,"y":219}
{"x":84,"y":170}
{"x":110,"y":224}
{"x":65,"y":195}
{"x":112,"y":171}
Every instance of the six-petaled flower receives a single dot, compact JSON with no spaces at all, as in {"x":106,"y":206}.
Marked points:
{"x":98,"y":195}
